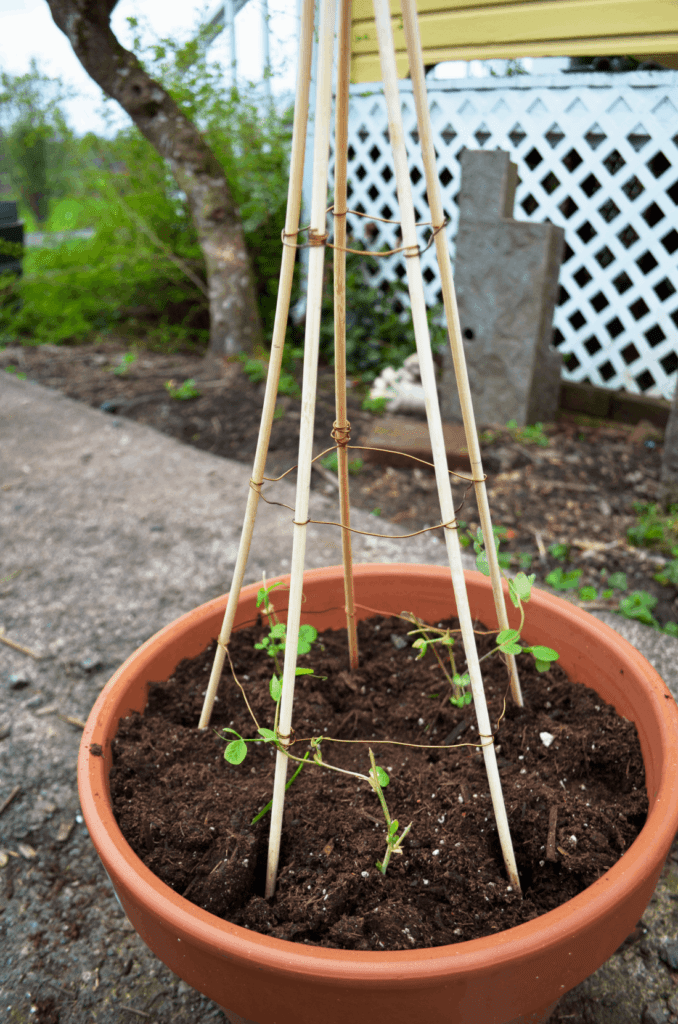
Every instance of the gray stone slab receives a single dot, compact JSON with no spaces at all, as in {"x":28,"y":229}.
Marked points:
{"x":506,"y":279}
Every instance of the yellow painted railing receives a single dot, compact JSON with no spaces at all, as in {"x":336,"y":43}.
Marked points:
{"x":470,"y":29}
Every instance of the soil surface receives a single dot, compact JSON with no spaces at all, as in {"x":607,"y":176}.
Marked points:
{"x":580,"y":490}
{"x":571,"y":771}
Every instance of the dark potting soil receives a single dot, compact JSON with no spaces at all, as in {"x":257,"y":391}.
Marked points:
{"x":574,"y":807}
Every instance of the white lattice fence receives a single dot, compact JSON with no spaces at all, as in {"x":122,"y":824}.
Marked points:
{"x":596,"y":154}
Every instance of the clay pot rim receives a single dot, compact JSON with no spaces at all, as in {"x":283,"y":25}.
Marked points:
{"x":357,"y":967}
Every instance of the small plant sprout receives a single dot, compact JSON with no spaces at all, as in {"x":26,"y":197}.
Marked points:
{"x":182,"y":392}
{"x":128,"y":359}
{"x":378,"y":779}
{"x":459,"y":682}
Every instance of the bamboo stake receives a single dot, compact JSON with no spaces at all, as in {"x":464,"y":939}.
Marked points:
{"x":277,"y":344}
{"x":420,"y":323}
{"x":317,"y":237}
{"x":342,"y":426}
{"x":414,"y":52}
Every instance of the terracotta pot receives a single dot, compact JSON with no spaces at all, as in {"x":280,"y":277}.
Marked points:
{"x":516,"y":975}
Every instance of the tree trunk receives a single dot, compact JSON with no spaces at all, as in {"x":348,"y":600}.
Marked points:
{"x":234,"y":317}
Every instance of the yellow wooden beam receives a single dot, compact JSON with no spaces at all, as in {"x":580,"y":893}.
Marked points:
{"x":482,"y":29}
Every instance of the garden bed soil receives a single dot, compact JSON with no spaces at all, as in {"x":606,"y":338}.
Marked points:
{"x":574,"y":806}
{"x":579,"y":490}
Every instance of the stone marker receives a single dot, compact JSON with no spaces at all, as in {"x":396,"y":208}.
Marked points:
{"x":506,"y":278}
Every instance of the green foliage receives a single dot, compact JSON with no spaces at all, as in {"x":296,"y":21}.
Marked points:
{"x":184,"y":391}
{"x":588,"y":594}
{"x":379,"y":332}
{"x":559,"y":579}
{"x":15,"y":370}
{"x":668,"y":576}
{"x":374,"y":405}
{"x":529,"y":435}
{"x":35,"y":140}
{"x":638,"y":605}
{"x":671,"y":628}
{"x":331,"y":461}
{"x":654,"y":528}
{"x":618,"y":581}
{"x":560,"y":552}
{"x":123,"y":279}
{"x":126,"y":362}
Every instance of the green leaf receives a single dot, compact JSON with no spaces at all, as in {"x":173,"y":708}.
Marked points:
{"x":560,"y":580}
{"x":542,"y":666}
{"x":382,"y":777}
{"x":482,"y":563}
{"x":463,"y":680}
{"x":307,"y":636}
{"x":236,"y":752}
{"x":275,"y":688}
{"x":523,"y":585}
{"x":544,"y":653}
{"x":267,"y":734}
{"x":393,"y":828}
{"x":588,"y":594}
{"x":507,"y":634}
{"x":305,"y":672}
{"x":278,"y":631}
{"x":607,"y":594}
{"x":618,"y":581}
{"x":467,"y":698}
{"x":510,"y":648}
{"x":671,"y":628}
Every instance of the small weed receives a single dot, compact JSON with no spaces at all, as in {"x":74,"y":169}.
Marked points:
{"x":15,"y":370}
{"x":638,"y":605}
{"x":529,"y":435}
{"x":374,"y":405}
{"x":559,"y":579}
{"x":654,"y":528}
{"x":125,"y":364}
{"x":560,"y":552}
{"x":254,"y":369}
{"x":331,"y":461}
{"x":671,"y":628}
{"x":182,"y":392}
{"x":278,"y":413}
{"x":668,"y":576}
{"x":524,"y":559}
{"x":287,"y":385}
{"x":375,"y":512}
{"x":618,"y":581}
{"x":588,"y":594}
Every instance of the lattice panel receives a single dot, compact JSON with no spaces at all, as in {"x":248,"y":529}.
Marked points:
{"x":597,"y":155}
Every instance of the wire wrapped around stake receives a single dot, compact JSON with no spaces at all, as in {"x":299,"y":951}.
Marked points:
{"x":315,"y":238}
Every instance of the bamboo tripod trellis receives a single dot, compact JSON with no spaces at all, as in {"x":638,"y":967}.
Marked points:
{"x":318,"y":240}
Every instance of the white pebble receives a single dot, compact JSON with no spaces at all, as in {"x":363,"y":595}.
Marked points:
{"x":546,"y":738}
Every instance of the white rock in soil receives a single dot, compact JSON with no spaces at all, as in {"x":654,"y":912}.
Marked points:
{"x":546,"y":738}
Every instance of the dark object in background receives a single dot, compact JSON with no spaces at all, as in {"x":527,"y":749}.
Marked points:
{"x":11,"y":231}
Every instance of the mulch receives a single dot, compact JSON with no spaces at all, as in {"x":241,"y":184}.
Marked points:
{"x":580,"y":491}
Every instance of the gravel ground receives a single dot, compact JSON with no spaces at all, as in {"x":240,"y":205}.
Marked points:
{"x":115,"y":530}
